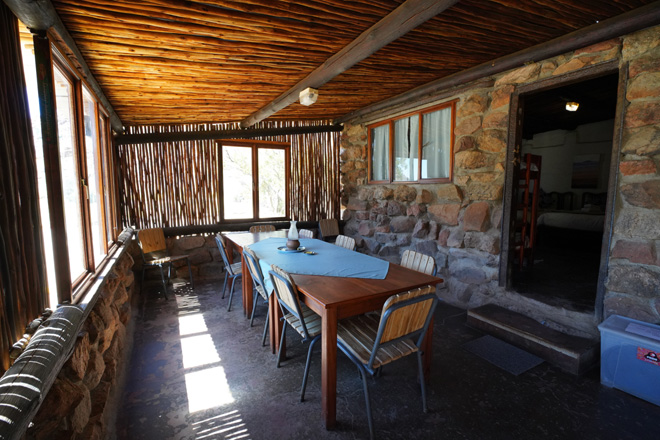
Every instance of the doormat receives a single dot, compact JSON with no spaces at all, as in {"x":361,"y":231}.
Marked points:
{"x":504,"y":355}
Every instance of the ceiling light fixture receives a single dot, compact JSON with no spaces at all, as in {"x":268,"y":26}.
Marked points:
{"x":572,"y":106}
{"x":308,"y":96}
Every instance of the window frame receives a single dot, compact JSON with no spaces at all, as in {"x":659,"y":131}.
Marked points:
{"x":255,"y":146}
{"x":391,"y":150}
{"x":78,"y":285}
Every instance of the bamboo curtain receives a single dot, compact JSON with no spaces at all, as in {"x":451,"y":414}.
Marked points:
{"x":176,"y":183}
{"x":22,"y":272}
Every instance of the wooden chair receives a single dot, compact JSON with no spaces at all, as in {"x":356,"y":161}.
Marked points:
{"x":262,"y":228}
{"x":371,"y":341}
{"x":306,"y":233}
{"x":300,"y":317}
{"x":259,"y":286}
{"x":328,"y":229}
{"x":232,"y":271}
{"x":345,"y":242}
{"x":155,"y":255}
{"x":419,"y":262}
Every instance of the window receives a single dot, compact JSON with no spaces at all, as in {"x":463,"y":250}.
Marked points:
{"x":83,"y":148}
{"x":396,"y":146}
{"x":254,"y":180}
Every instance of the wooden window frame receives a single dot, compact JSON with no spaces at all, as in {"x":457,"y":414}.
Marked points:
{"x":61,"y":62}
{"x":391,"y":122}
{"x":255,"y":145}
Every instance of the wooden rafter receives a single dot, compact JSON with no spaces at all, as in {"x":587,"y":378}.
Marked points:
{"x":406,"y":17}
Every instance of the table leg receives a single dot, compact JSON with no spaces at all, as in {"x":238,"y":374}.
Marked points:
{"x":329,"y":367}
{"x":275,"y":325}
{"x":247,"y":287}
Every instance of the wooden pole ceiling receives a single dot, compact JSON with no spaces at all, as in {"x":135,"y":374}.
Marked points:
{"x":403,"y":19}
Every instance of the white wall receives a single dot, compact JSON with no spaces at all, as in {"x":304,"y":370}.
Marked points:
{"x":559,"y":148}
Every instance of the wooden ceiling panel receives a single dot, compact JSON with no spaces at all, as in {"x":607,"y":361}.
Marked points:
{"x":174,"y":61}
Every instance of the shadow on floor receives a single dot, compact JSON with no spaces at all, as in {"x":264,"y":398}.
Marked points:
{"x":200,"y":372}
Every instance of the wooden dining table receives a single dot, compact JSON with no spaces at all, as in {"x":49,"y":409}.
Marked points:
{"x":335,"y":298}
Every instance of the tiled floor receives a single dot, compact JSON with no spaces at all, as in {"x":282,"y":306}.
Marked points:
{"x":200,"y":372}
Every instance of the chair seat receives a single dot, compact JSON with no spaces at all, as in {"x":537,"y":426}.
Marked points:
{"x":165,"y":260}
{"x":237,"y":268}
{"x":358,"y":334}
{"x":312,"y":321}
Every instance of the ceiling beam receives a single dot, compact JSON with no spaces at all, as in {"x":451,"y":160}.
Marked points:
{"x":40,"y":15}
{"x":623,"y":24}
{"x":403,"y":19}
{"x":152,"y":138}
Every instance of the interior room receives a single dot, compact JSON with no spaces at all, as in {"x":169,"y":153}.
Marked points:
{"x":324,"y":219}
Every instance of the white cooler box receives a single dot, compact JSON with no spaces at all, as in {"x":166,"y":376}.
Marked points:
{"x":629,"y":358}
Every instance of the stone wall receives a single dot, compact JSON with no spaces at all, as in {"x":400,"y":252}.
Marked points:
{"x":205,"y":259}
{"x":83,"y":400}
{"x":460,"y":223}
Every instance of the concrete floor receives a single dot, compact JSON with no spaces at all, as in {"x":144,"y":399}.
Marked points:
{"x":200,"y":372}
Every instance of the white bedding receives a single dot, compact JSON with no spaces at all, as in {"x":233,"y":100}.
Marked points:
{"x":572,"y":220}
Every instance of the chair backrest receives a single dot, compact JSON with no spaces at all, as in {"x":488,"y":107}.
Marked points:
{"x":419,"y":262}
{"x":328,"y":227}
{"x":405,"y":316}
{"x":287,"y":294}
{"x":152,"y":240}
{"x":220,"y":241}
{"x":345,"y":242}
{"x":253,"y":266}
{"x":306,"y":233}
{"x":262,"y":228}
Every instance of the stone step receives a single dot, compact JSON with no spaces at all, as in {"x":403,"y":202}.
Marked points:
{"x":572,"y":354}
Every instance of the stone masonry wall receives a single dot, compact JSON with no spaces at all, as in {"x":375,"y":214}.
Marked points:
{"x":82,"y":401}
{"x":460,"y":223}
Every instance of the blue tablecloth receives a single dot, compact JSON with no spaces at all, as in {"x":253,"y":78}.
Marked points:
{"x":330,"y":260}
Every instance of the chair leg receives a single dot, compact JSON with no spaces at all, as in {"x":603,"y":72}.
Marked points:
{"x":363,"y":373}
{"x":307,"y":364}
{"x":263,"y":339}
{"x":192,"y":284}
{"x":162,"y":277}
{"x":224,"y":286}
{"x":231,"y":293}
{"x":422,"y":381}
{"x":279,"y":352}
{"x":255,"y":297}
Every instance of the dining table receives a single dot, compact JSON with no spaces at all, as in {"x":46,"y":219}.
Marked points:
{"x":355,"y":284}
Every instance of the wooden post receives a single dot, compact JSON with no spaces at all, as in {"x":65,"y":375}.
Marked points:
{"x":50,"y":138}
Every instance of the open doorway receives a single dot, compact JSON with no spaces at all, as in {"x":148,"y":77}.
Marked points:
{"x":569,"y":153}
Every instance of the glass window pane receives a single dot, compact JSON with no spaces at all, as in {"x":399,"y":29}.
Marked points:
{"x":35,"y":118}
{"x":436,"y":144}
{"x":237,"y":182}
{"x":70,"y":179}
{"x":272,"y":185}
{"x":380,"y":152}
{"x":94,"y":177}
{"x":406,"y":145}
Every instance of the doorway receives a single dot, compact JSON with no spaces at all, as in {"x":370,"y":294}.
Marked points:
{"x":572,"y":150}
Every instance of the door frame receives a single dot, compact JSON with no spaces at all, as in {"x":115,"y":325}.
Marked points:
{"x":514,"y":139}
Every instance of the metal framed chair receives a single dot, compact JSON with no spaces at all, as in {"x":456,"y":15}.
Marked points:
{"x":371,"y":341}
{"x":259,"y":287}
{"x":232,"y":270}
{"x":420,"y":262}
{"x":262,"y":228}
{"x":155,"y":255}
{"x":328,"y":229}
{"x":296,"y":314}
{"x":345,"y":242}
{"x":306,"y":233}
